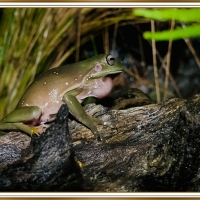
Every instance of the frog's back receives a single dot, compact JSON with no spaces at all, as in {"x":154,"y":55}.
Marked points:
{"x":50,"y":86}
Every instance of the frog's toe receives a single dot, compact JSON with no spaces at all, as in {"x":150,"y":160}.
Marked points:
{"x":38,"y":130}
{"x":94,"y":110}
{"x":35,"y":131}
{"x":98,"y":136}
{"x":102,"y":138}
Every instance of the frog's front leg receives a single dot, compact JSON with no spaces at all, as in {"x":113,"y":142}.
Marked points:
{"x":79,"y":113}
{"x":20,"y":118}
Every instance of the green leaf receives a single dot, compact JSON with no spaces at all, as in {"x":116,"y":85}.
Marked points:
{"x":182,"y":15}
{"x":179,"y":33}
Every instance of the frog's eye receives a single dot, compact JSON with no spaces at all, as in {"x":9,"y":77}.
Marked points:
{"x":110,"y":60}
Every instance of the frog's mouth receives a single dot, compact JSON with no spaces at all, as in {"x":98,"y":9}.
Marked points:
{"x":105,"y":74}
{"x":112,"y":76}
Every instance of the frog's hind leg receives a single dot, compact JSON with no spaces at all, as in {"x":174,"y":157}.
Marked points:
{"x":23,"y":119}
{"x":18,"y":126}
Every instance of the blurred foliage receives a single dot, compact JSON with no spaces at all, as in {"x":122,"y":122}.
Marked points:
{"x":181,"y":14}
{"x":179,"y":33}
{"x":35,"y":39}
{"x":190,"y":16}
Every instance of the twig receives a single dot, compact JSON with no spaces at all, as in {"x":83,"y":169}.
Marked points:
{"x":106,"y":41}
{"x":143,"y":63}
{"x":141,"y":80}
{"x":173,"y":82}
{"x":155,"y":63}
{"x":78,"y":35}
{"x":170,"y":76}
{"x":168,"y":63}
{"x":115,"y":33}
{"x":191,"y":48}
{"x":115,"y":36}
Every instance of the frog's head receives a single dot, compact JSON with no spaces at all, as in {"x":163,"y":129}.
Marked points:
{"x":102,"y":66}
{"x":98,"y":79}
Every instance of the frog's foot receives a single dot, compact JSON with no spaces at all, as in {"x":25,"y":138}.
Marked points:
{"x":96,"y":109}
{"x":96,"y":133}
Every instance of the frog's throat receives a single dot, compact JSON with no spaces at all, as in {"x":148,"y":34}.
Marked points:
{"x":98,"y":88}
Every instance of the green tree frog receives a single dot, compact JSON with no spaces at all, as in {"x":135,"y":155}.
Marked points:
{"x":69,"y":84}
